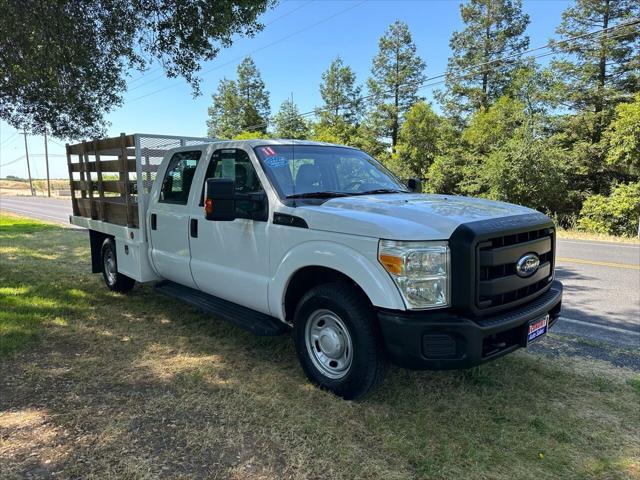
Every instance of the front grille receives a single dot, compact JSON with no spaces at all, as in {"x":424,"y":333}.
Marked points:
{"x":497,"y":283}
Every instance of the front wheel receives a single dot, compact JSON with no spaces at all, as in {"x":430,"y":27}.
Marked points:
{"x":115,"y":280}
{"x":337,"y":341}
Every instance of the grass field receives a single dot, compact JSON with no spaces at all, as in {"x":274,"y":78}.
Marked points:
{"x":574,"y":234}
{"x":100,"y":385}
{"x":13,"y":187}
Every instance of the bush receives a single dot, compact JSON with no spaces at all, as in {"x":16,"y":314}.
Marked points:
{"x":616,"y":214}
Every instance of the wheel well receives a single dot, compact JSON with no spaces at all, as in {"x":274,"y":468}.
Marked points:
{"x":96,"y":239}
{"x":305,"y":279}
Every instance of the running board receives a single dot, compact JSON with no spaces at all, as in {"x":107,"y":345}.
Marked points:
{"x":256,"y":322}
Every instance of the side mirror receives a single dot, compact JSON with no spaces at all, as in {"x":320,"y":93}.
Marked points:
{"x":220,"y":199}
{"x":414,"y":185}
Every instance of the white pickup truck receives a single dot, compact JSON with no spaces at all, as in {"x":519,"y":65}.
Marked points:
{"x":320,"y":239}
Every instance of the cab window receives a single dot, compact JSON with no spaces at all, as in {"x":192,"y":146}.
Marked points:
{"x":178,"y":178}
{"x":236,"y":165}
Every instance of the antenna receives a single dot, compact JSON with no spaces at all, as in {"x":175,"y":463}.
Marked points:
{"x":293,"y":159}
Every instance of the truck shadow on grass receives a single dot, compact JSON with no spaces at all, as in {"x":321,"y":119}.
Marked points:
{"x":139,"y":386}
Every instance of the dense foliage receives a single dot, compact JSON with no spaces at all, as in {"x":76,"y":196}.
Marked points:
{"x":562,"y":138}
{"x":64,"y":63}
{"x":616,"y":214}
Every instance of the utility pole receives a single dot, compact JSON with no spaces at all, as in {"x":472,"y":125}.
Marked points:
{"x":46,"y":159}
{"x":26,"y":151}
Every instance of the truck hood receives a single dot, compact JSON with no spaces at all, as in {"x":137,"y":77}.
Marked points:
{"x":403,"y":216}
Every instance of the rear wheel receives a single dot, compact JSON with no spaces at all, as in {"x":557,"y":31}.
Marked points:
{"x":337,"y":341}
{"x":114,"y":280}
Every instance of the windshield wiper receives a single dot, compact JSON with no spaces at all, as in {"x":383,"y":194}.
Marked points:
{"x":318,"y":195}
{"x":380,"y":190}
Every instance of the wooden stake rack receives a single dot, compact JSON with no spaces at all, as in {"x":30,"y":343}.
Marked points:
{"x":102,"y":180}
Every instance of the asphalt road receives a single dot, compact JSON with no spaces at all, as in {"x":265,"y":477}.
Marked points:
{"x":601,"y":280}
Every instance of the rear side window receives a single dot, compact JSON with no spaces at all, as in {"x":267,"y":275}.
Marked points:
{"x":179,"y":176}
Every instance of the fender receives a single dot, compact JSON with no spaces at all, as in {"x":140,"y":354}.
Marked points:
{"x":370,"y":276}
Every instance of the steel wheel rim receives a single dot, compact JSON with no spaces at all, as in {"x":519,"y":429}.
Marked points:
{"x":329,"y":344}
{"x":110,"y":268}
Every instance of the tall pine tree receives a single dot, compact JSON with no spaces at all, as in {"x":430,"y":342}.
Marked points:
{"x":224,"y":114}
{"x":341,"y":96}
{"x":474,"y":79}
{"x":254,"y":97}
{"x":598,"y":71}
{"x":240,"y":105}
{"x":396,"y":75}
{"x":289,"y":123}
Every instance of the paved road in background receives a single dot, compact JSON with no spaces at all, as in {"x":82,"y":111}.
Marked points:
{"x":601,"y":279}
{"x":43,"y":208}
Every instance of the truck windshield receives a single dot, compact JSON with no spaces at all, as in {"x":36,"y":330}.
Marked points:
{"x":312,"y":171}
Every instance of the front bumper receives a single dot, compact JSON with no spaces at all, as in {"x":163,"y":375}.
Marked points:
{"x":442,"y":340}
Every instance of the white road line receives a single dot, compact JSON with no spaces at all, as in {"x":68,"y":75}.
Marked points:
{"x":27,"y":212}
{"x":601,"y":244}
{"x":604,"y":327}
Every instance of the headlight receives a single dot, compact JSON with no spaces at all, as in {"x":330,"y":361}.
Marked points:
{"x":420,"y":269}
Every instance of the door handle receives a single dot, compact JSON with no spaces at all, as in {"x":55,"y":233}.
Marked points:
{"x":154,"y":222}
{"x":193,"y":227}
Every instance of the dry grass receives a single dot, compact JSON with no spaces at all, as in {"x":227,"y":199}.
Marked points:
{"x":600,"y":237}
{"x":13,"y":187}
{"x":99,"y":385}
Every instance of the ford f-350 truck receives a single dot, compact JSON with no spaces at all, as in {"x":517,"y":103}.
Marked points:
{"x":321,"y":240}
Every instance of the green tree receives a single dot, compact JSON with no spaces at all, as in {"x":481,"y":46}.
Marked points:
{"x":527,"y":170}
{"x":224,"y":114}
{"x":64,"y":63}
{"x":396,"y":75}
{"x":254,"y":97}
{"x":341,"y":97}
{"x":474,"y":79}
{"x":249,"y":135}
{"x":422,"y":139}
{"x":489,"y":129}
{"x":616,"y":214}
{"x":597,"y":71}
{"x":446,"y":174}
{"x":289,"y":123}
{"x":593,"y":74}
{"x":623,"y":138}
{"x":505,"y":157}
{"x":239,"y":105}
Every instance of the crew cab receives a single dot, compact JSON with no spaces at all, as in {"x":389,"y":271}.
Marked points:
{"x":322,"y":241}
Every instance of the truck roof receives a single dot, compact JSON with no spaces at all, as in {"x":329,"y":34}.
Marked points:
{"x":279,"y":141}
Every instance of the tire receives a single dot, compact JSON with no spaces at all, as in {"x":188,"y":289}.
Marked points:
{"x":114,"y":280}
{"x":338,"y":343}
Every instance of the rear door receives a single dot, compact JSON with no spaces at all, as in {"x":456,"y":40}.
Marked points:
{"x":169,"y":215}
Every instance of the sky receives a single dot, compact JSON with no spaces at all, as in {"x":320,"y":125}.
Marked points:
{"x":299,"y":41}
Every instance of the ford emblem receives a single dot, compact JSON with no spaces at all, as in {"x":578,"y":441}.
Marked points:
{"x":527,"y":265}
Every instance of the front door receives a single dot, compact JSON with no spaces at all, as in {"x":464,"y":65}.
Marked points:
{"x":169,"y":219}
{"x":231,"y":259}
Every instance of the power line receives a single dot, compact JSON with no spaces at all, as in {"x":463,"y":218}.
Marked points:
{"x":153,"y":70}
{"x":9,"y":138}
{"x":22,"y":157}
{"x":424,"y":83}
{"x":268,"y":45}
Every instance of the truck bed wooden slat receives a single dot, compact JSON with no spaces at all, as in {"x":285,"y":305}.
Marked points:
{"x":113,"y":186}
{"x":114,"y":210}
{"x":104,"y":144}
{"x":106,"y":166}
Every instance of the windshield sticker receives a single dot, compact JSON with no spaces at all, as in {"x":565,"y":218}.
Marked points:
{"x":276,"y":162}
{"x":268,"y":151}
